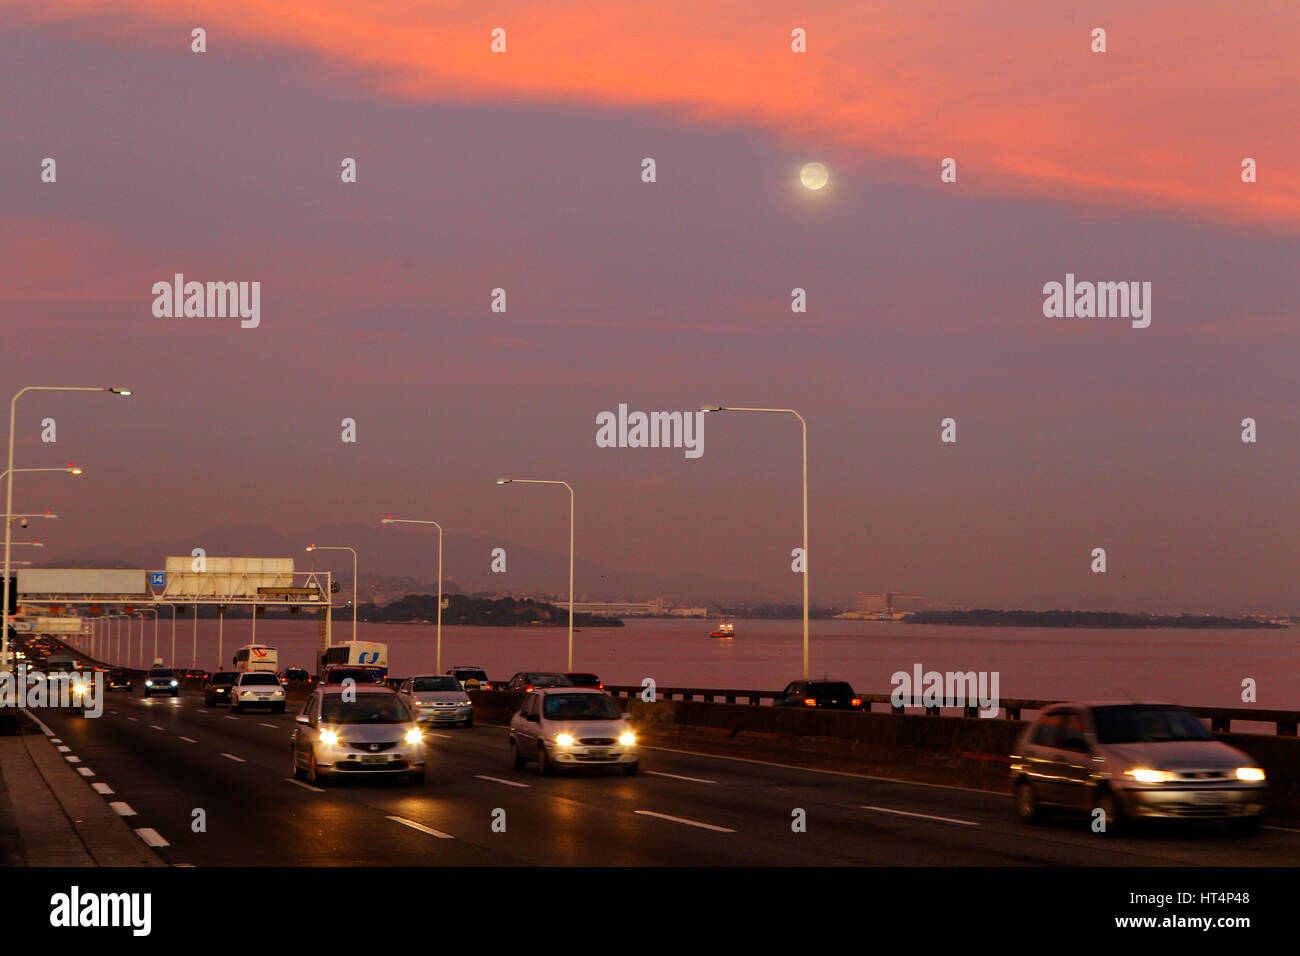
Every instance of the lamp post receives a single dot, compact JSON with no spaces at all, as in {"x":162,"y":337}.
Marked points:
{"x":537,"y":481}
{"x":356,"y":595}
{"x":437,"y":657}
{"x":804,"y":424}
{"x":9,"y":486}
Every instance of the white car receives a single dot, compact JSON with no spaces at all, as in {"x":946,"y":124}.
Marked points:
{"x":437,"y":700}
{"x":257,"y":689}
{"x":572,"y":727}
{"x":369,"y":730}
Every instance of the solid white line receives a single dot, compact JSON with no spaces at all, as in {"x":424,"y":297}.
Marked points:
{"x":689,"y":823}
{"x":677,"y":776}
{"x":508,"y":783}
{"x":422,"y":828}
{"x":85,"y":771}
{"x":102,"y":788}
{"x":123,"y":808}
{"x":189,"y":740}
{"x":922,"y":816}
{"x":233,"y":757}
{"x":151,"y":836}
{"x":305,"y":786}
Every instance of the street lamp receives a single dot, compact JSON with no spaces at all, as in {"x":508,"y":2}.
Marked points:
{"x":9,"y":486}
{"x":437,"y":659}
{"x":356,"y":595}
{"x":804,"y":424}
{"x":536,"y":481}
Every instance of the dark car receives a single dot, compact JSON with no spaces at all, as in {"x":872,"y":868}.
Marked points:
{"x":525,"y":681}
{"x":295,"y":674}
{"x":162,"y":680}
{"x":358,"y":675}
{"x":585,"y":680}
{"x":196,"y":672}
{"x":119,"y":679}
{"x":827,"y":694}
{"x":217,"y":689}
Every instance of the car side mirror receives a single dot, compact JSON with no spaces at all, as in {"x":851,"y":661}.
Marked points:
{"x":302,"y":719}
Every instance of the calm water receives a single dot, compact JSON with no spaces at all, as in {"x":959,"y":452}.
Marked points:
{"x":1192,"y":667}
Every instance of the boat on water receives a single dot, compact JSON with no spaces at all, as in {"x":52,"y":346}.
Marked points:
{"x":726,"y":630}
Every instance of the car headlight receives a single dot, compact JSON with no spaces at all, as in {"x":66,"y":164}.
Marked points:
{"x":1145,"y":775}
{"x":278,"y":693}
{"x":413,"y":736}
{"x":174,"y":683}
{"x":82,"y":687}
{"x":1253,"y":774}
{"x":245,"y":693}
{"x":628,"y":739}
{"x":329,"y":738}
{"x":148,"y":683}
{"x":564,"y":740}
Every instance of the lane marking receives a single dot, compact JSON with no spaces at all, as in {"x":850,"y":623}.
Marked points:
{"x":71,"y":759}
{"x":63,"y":749}
{"x":678,"y":776}
{"x":156,"y":727}
{"x":272,"y":726}
{"x":922,"y":816}
{"x":422,"y":828}
{"x":689,"y":823}
{"x":151,"y":836}
{"x":55,"y":740}
{"x":132,"y":718}
{"x":508,"y":783}
{"x":85,"y":771}
{"x":102,"y":788}
{"x":233,"y":757}
{"x":305,"y":786}
{"x":231,"y":717}
{"x":430,"y":733}
{"x":202,"y":711}
{"x":123,"y":808}
{"x":189,"y":740}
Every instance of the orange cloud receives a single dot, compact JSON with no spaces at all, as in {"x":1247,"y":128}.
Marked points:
{"x":1009,"y":89}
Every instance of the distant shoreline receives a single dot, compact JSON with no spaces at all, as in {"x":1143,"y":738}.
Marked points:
{"x":1088,"y":619}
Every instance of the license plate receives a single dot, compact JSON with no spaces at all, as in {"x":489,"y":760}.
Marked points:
{"x":374,"y":758}
{"x":1206,"y":796}
{"x":598,"y":754}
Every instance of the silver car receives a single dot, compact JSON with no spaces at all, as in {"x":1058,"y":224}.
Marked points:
{"x":353,"y":731}
{"x":255,"y":689}
{"x":572,"y":727}
{"x":1134,"y":761}
{"x":437,"y":700}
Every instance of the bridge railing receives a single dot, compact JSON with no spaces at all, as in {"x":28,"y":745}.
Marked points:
{"x":1285,"y":722}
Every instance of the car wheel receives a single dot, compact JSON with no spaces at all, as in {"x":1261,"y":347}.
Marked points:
{"x":543,"y":763}
{"x":236,"y":708}
{"x":298,"y":772}
{"x":176,"y":693}
{"x":516,"y":758}
{"x":146,"y":695}
{"x":279,"y":708}
{"x":469,"y":721}
{"x":314,"y":776}
{"x":1115,"y":820}
{"x":415,"y":777}
{"x":631,"y":769}
{"x":1027,"y":808}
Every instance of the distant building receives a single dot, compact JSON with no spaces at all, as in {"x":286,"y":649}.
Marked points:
{"x":883,"y":605}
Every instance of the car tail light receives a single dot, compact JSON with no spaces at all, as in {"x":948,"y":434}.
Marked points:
{"x":856,"y":702}
{"x":809,"y":702}
{"x":529,"y":687}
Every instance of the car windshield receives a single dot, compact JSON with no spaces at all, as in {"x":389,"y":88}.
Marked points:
{"x":260,"y":679}
{"x":366,"y":709}
{"x":824,"y":690}
{"x":1137,"y":724}
{"x":162,"y":672}
{"x":580,"y":707}
{"x":583,"y":680}
{"x":471,"y":675}
{"x":224,"y":677}
{"x":548,"y":680}
{"x":434,"y":683}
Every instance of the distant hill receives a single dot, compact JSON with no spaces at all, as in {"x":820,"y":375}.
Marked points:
{"x":1104,"y":619}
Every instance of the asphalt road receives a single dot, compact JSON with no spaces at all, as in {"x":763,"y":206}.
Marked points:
{"x":164,"y":759}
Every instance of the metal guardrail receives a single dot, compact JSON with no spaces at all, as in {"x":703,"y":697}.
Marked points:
{"x":1221,"y":718}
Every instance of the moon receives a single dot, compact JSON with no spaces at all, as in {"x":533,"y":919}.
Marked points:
{"x":814,"y":175}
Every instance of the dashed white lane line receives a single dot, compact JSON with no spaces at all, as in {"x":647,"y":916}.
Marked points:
{"x":85,"y":771}
{"x":233,"y":757}
{"x":156,"y":727}
{"x":132,"y":718}
{"x":55,"y":740}
{"x":188,"y":740}
{"x":71,"y":759}
{"x":272,"y":726}
{"x":63,"y":749}
{"x":678,"y":776}
{"x":151,"y":836}
{"x":231,"y":717}
{"x":689,"y":823}
{"x":923,"y":816}
{"x":102,"y":788}
{"x":305,"y":786}
{"x":508,"y":783}
{"x":202,"y":711}
{"x":422,"y":828}
{"x":430,"y":733}
{"x":123,"y":808}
